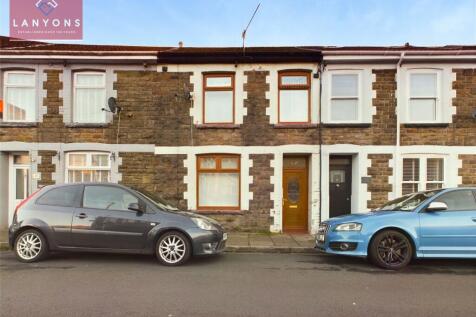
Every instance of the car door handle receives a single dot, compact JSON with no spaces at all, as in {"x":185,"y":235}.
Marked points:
{"x":82,"y":215}
{"x":474,"y":219}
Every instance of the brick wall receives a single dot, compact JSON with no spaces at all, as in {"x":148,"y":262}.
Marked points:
{"x":261,"y":188}
{"x":380,"y":172}
{"x":160,"y":174}
{"x":468,"y":170}
{"x":46,"y":167}
{"x":52,"y":126}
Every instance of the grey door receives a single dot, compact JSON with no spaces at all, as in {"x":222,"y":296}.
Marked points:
{"x":340,"y":186}
{"x":87,"y":228}
{"x":104,"y":220}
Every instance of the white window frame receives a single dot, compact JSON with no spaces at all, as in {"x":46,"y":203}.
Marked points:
{"x":88,"y":165}
{"x":438,"y":107}
{"x":75,"y":87}
{"x":358,"y":97}
{"x":366,"y":109}
{"x":6,"y":86}
{"x":423,"y":179}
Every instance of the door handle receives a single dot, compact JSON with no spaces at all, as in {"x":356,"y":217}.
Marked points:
{"x":474,"y":219}
{"x":82,"y":215}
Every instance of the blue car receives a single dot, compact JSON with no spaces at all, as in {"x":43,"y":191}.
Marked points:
{"x":431,"y":224}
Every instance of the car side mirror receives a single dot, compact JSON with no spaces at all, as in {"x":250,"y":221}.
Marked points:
{"x":135,"y":207}
{"x":437,"y":206}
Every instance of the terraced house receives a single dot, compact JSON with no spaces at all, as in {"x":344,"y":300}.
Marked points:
{"x":263,"y":138}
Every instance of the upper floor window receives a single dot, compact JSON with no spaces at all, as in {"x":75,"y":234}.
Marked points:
{"x":20,"y":96}
{"x":344,"y":97}
{"x":423,"y":96}
{"x":88,"y":167}
{"x":294,"y":97}
{"x":218,"y":98}
{"x":422,"y":173}
{"x":89,"y":97}
{"x":218,"y":182}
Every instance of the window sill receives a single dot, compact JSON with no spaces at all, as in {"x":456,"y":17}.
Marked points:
{"x":219,"y":212}
{"x":87,"y":125}
{"x":295,"y":126}
{"x":217,"y":126}
{"x":346,"y":125}
{"x":18,"y":124}
{"x":426,"y":125}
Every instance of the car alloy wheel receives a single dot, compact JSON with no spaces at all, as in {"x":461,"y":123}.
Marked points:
{"x":30,"y":246}
{"x":391,"y":250}
{"x":173,"y":248}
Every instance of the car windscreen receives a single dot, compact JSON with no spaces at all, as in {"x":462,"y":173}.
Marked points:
{"x":408,"y":202}
{"x":156,"y":201}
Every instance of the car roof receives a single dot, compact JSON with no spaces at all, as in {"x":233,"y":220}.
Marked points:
{"x":86,"y":183}
{"x":443,"y":190}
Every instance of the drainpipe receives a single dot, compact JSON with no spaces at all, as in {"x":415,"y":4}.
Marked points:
{"x":396,"y":156}
{"x":319,"y":127}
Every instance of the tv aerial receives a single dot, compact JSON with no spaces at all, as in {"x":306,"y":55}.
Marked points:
{"x":243,"y":34}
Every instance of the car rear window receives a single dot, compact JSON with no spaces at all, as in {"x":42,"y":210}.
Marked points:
{"x":62,"y":196}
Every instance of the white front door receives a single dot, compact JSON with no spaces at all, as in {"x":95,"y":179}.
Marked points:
{"x":19,"y":181}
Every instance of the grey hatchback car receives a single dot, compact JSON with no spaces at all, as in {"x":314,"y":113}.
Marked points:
{"x":103,"y":217}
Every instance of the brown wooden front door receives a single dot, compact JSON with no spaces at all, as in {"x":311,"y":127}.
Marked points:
{"x":295,"y":194}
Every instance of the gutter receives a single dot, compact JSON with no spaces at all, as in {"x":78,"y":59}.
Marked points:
{"x":397,"y":53}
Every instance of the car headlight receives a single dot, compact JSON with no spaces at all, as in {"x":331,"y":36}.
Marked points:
{"x":350,"y":226}
{"x":203,"y":224}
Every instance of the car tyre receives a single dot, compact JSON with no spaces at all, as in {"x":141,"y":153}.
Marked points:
{"x":30,"y":246}
{"x":391,"y":250}
{"x":173,"y":248}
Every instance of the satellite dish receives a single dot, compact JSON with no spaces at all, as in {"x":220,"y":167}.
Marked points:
{"x":112,"y":104}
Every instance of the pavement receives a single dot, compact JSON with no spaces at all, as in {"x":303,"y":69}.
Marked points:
{"x":270,"y":242}
{"x":233,"y":284}
{"x":3,"y":240}
{"x":248,"y":242}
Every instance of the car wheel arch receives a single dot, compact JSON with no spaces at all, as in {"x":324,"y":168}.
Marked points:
{"x":29,"y":227}
{"x":402,"y":231}
{"x":159,"y":234}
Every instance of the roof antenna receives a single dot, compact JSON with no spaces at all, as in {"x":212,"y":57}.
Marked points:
{"x":243,"y":35}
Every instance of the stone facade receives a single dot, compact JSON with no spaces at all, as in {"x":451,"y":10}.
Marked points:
{"x":156,"y":116}
{"x":46,"y":168}
{"x":162,"y":175}
{"x":380,"y":173}
{"x":467,"y":172}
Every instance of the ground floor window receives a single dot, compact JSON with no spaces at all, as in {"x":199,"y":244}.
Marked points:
{"x":88,"y":167}
{"x":218,"y":182}
{"x":422,"y":173}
